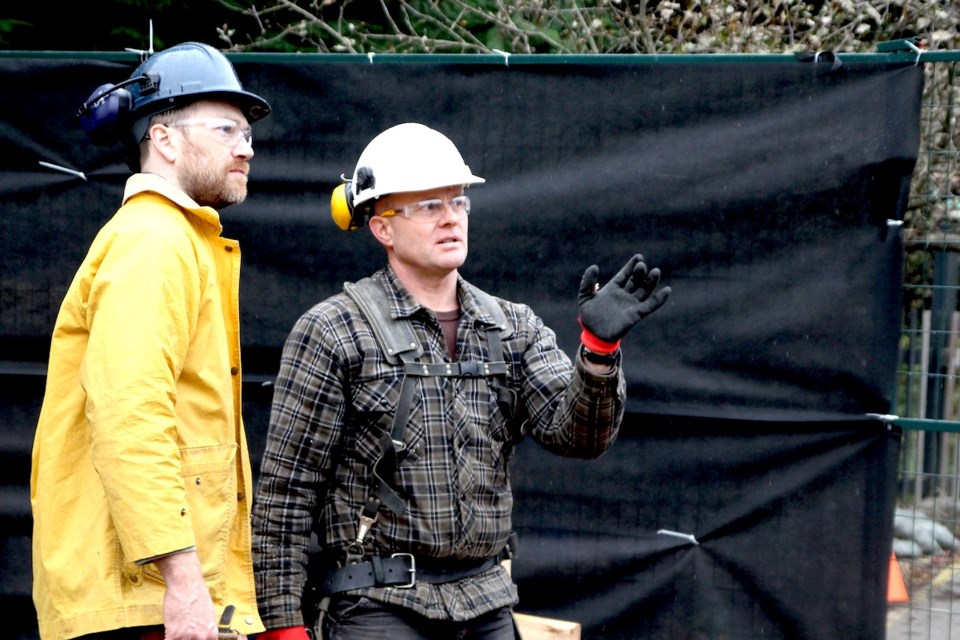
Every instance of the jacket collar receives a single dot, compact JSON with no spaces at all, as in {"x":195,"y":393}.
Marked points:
{"x":153,"y":183}
{"x":404,"y":305}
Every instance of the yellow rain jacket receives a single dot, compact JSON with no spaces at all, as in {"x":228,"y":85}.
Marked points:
{"x":140,"y":449}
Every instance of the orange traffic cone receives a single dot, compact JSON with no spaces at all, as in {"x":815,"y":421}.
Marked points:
{"x":896,"y":589}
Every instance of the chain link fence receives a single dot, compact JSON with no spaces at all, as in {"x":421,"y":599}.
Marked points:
{"x":927,"y":525}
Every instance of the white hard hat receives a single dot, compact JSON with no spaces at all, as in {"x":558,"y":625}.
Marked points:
{"x":408,"y":157}
{"x":405,"y":158}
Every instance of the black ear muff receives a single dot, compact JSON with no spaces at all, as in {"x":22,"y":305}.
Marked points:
{"x":103,"y":115}
{"x":341,"y":209}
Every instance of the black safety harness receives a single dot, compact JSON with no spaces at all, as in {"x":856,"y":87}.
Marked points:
{"x":401,"y":347}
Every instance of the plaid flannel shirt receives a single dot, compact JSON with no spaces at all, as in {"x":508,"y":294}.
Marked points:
{"x":335,"y":396}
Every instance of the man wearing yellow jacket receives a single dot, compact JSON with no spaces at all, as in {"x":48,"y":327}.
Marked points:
{"x":141,"y":478}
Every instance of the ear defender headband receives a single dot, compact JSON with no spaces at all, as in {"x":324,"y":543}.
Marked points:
{"x":347,"y":215}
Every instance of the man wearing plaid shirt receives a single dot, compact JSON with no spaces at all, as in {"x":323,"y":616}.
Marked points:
{"x":397,"y":408}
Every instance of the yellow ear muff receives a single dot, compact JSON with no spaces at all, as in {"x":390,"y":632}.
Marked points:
{"x":340,"y":208}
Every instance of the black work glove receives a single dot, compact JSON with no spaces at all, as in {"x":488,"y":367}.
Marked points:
{"x":608,"y":313}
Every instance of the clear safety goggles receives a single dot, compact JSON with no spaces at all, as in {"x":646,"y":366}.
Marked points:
{"x":223,"y":130}
{"x":432,"y":209}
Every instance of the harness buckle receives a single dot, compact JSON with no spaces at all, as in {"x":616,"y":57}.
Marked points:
{"x":412,"y":570}
{"x":470,"y":369}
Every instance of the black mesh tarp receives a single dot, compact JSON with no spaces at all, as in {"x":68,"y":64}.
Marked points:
{"x":703,"y":528}
{"x":762,"y":187}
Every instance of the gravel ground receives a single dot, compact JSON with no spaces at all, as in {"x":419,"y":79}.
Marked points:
{"x":933,"y":611}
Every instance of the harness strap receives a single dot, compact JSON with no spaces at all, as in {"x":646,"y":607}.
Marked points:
{"x":399,"y":344}
{"x":397,"y":340}
{"x":468,"y":369}
{"x":390,"y":445}
{"x":383,"y":470}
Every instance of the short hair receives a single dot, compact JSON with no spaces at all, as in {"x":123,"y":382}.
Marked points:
{"x":164,"y":118}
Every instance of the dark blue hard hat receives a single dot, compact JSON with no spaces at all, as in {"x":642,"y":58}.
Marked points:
{"x":169,"y":79}
{"x":186,"y":73}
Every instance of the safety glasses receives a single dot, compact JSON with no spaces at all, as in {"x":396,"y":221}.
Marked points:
{"x":431,"y":210}
{"x":223,"y":130}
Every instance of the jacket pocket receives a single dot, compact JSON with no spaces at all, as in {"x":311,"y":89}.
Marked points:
{"x":210,"y":480}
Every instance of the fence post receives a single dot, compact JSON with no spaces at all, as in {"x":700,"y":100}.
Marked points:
{"x":943,"y":304}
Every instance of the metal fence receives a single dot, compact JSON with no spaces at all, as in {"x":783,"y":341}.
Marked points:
{"x":926,"y":603}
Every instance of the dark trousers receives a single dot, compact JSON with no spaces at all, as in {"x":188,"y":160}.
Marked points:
{"x":353,"y":618}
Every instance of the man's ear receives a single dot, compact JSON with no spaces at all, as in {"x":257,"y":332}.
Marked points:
{"x":162,"y":142}
{"x":381,"y":230}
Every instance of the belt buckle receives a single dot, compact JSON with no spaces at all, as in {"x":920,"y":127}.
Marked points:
{"x":413,"y":570}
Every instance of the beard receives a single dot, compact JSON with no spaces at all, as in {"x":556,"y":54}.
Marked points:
{"x":211,"y":183}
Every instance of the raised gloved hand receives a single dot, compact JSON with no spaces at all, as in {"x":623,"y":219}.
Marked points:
{"x":608,"y":313}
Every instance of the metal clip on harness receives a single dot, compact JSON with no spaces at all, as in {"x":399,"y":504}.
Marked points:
{"x":368,"y":516}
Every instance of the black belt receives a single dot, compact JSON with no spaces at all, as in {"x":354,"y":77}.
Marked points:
{"x":402,"y":571}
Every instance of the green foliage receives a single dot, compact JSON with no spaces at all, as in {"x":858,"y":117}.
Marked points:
{"x":591,"y":26}
{"x":8,"y":25}
{"x":484,"y":26}
{"x":110,"y":25}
